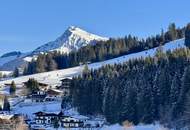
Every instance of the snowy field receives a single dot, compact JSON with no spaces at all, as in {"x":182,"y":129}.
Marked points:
{"x":55,"y":107}
{"x":117,"y":127}
{"x":53,"y":78}
{"x":30,"y":109}
{"x":6,"y":90}
{"x":139,"y":127}
{"x":7,"y":73}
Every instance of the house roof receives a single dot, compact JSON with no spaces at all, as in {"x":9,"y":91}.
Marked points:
{"x":53,"y":92}
{"x":68,"y":78}
{"x":61,"y":114}
{"x":40,"y":83}
{"x":43,"y":84}
{"x":40,"y":113}
{"x":38,"y":96}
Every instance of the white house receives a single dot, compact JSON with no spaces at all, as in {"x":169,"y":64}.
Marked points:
{"x":44,"y":118}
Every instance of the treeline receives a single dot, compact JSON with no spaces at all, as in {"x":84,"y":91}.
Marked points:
{"x":140,"y":91}
{"x":102,"y":51}
{"x":44,"y":63}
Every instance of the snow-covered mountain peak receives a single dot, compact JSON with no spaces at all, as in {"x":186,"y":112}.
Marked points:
{"x":84,"y":34}
{"x":72,"y":39}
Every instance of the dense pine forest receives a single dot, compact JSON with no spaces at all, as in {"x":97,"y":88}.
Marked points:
{"x":140,"y":91}
{"x":102,"y":51}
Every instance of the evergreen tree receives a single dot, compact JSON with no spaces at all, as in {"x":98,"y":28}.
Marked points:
{"x":12,"y":87}
{"x":142,"y":90}
{"x":187,"y":35}
{"x":172,"y":33}
{"x":51,"y":64}
{"x":186,"y":117}
{"x":65,"y":102}
{"x":56,"y":123}
{"x":6,"y":104}
{"x":86,"y":70}
{"x":175,"y":89}
{"x":16,"y":72}
{"x":160,"y":53}
{"x":185,"y":88}
{"x":129,"y":111}
{"x":41,"y":64}
{"x":32,"y":85}
{"x":31,"y":68}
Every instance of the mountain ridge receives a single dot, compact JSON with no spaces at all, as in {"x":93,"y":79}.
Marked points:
{"x":13,"y":53}
{"x":71,"y":40}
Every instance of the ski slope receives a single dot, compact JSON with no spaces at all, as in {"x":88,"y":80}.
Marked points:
{"x":53,"y":78}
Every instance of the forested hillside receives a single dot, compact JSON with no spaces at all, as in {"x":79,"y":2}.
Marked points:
{"x":102,"y":51}
{"x":140,"y":91}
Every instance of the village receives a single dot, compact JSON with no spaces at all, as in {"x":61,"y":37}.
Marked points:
{"x":47,"y":107}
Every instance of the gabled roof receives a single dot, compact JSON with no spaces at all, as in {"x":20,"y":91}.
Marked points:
{"x":68,"y":78}
{"x":61,"y":114}
{"x":39,"y":96}
{"x":53,"y":92}
{"x":40,"y":113}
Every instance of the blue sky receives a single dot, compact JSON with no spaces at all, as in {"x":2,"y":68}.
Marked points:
{"x":24,"y":24}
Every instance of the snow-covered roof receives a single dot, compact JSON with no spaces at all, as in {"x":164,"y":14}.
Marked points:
{"x":6,"y":116}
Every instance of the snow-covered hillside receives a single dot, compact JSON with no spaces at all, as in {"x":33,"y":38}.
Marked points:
{"x":11,"y":62}
{"x":72,"y":39}
{"x":138,"y":127}
{"x":9,"y":57}
{"x":4,"y":60}
{"x":5,"y":72}
{"x":53,"y":78}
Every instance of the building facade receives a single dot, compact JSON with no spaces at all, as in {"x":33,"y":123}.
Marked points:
{"x":65,"y":86}
{"x":42,"y":118}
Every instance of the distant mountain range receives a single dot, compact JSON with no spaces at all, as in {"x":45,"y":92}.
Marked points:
{"x":72,"y":39}
{"x":14,"y":53}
